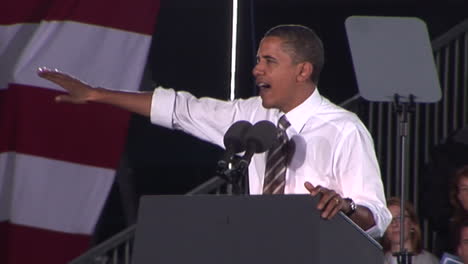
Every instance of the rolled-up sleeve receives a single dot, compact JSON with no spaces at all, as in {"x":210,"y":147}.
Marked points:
{"x":162,"y":107}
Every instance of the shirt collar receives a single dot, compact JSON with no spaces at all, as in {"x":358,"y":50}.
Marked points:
{"x":298,"y":116}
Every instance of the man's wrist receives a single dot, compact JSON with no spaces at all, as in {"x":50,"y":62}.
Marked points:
{"x":351,"y":206}
{"x":96,"y":94}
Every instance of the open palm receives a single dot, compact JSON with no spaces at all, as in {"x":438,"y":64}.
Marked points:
{"x":78,"y":92}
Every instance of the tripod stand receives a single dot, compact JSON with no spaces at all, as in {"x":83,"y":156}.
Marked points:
{"x":403,"y":110}
{"x":393,"y":62}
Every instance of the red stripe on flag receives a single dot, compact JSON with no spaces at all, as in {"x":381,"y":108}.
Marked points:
{"x":24,"y":245}
{"x":135,"y":16}
{"x":32,"y":123}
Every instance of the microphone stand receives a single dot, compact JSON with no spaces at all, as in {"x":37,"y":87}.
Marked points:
{"x":235,"y":173}
{"x":259,"y":138}
{"x":243,"y":175}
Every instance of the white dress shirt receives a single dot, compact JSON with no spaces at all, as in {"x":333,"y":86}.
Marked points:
{"x":333,"y":147}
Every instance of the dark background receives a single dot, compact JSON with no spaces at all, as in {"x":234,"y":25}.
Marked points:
{"x":191,"y":52}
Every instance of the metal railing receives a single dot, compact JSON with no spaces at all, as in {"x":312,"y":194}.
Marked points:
{"x":439,"y":120}
{"x":113,"y":251}
{"x":118,"y":249}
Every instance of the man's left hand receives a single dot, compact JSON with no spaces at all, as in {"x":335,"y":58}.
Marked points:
{"x":330,"y":202}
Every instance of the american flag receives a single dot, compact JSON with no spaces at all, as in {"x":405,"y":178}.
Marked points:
{"x":57,"y":161}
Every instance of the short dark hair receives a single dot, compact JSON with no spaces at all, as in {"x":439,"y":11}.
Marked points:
{"x":302,"y":44}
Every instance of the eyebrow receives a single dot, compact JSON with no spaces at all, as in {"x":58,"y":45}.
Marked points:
{"x":268,"y":57}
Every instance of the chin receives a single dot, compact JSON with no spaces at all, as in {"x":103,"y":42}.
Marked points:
{"x":267,"y":105}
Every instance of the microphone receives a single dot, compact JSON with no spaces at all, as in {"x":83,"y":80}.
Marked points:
{"x":234,"y":141}
{"x":259,"y":139}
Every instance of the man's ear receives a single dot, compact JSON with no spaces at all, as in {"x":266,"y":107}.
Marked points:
{"x":305,"y":71}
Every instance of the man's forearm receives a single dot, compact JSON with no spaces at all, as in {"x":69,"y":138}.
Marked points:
{"x":136,"y":102}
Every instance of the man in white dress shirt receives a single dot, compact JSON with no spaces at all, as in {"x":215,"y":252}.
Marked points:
{"x":334,"y":154}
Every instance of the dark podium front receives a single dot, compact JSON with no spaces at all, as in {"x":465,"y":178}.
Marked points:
{"x":209,"y":229}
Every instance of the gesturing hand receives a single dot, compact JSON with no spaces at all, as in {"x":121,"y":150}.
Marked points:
{"x":78,"y":92}
{"x":330,"y":202}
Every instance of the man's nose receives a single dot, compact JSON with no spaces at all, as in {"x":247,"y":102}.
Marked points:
{"x":257,"y":70}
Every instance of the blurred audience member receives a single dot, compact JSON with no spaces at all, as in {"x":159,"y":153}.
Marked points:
{"x":412,"y":236}
{"x":459,"y":195}
{"x":459,"y":201}
{"x":435,"y":182}
{"x":462,"y":240}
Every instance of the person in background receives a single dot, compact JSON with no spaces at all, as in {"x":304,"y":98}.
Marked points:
{"x":413,"y":238}
{"x":458,"y":196}
{"x":462,"y":240}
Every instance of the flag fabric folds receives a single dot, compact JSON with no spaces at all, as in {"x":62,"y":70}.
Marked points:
{"x":57,"y":161}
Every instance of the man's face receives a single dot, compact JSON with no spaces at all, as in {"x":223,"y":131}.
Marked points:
{"x":463,"y":192}
{"x":276,"y":76}
{"x":463,"y":245}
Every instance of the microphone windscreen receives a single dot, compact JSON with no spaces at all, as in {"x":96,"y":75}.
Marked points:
{"x":262,"y":135}
{"x":235,"y":136}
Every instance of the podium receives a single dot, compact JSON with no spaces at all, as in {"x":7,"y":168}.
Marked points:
{"x":208,"y":229}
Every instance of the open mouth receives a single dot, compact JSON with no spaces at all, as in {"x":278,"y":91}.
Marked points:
{"x":263,"y":85}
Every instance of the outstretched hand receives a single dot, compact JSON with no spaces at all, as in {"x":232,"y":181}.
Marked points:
{"x":330,"y":202}
{"x":78,"y":92}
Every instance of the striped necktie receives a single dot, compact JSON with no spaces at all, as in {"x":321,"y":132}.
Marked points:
{"x":275,"y":170}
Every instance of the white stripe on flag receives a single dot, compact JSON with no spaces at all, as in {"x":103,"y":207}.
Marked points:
{"x":53,"y":194}
{"x":13,"y":39}
{"x":101,"y":56}
{"x":6,"y":183}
